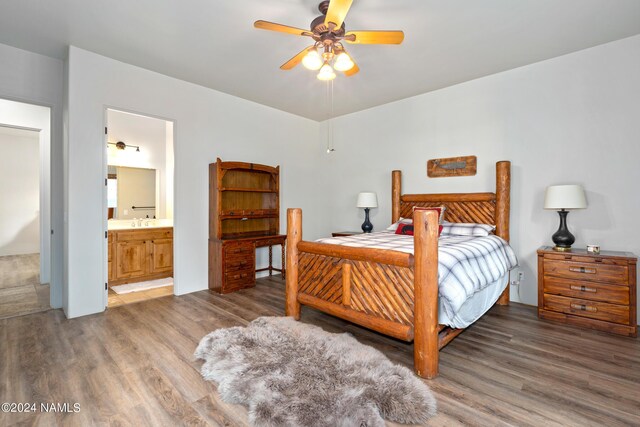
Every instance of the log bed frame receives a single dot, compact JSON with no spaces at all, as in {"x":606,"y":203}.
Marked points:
{"x":391,"y":292}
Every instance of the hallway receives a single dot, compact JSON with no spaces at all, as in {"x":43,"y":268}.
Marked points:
{"x":20,"y":289}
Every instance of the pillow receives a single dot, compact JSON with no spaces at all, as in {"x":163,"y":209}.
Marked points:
{"x":440,"y":209}
{"x":394,"y":226}
{"x":467,"y":229}
{"x":407,"y":229}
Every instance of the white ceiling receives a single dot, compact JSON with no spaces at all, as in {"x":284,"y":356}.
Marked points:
{"x":213,"y":42}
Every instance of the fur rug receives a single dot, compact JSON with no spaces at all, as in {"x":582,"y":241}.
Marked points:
{"x":292,"y":374}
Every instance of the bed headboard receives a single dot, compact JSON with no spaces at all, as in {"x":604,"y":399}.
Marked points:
{"x":485,"y":208}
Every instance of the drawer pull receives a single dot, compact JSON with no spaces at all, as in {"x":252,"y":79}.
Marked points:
{"x":583,"y":307}
{"x":583,"y":270}
{"x":583,"y":289}
{"x":244,"y":219}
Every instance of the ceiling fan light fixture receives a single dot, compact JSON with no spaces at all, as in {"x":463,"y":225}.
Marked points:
{"x":312,"y":60}
{"x":326,"y":73}
{"x":343,"y":62}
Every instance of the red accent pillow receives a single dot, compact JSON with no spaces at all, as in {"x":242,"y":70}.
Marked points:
{"x":407,"y":229}
{"x":440,"y":209}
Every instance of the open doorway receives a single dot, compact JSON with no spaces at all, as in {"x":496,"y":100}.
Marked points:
{"x":25,"y":217}
{"x":138,"y":207}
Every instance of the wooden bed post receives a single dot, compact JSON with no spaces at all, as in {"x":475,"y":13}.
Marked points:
{"x":294,"y":235}
{"x":503,"y":191}
{"x":396,"y":191}
{"x":426,"y":348}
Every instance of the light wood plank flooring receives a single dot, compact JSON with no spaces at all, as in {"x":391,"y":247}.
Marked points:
{"x":116,"y":300}
{"x":20,"y":288}
{"x":133,"y":365}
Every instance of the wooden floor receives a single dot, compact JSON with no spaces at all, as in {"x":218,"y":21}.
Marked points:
{"x":116,"y":300}
{"x":133,"y":365}
{"x":20,"y":289}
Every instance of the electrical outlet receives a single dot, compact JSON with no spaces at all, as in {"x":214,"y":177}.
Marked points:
{"x":517,"y":281}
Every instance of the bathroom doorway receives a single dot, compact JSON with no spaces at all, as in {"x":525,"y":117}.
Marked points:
{"x":139,"y":172}
{"x":25,"y":216}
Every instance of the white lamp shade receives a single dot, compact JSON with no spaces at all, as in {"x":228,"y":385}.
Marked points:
{"x":367,"y":200}
{"x":565,"y":197}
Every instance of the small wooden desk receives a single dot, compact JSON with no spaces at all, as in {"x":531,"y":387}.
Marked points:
{"x":272,"y":241}
{"x":236,"y":259}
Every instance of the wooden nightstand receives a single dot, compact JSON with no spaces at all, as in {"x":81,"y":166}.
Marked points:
{"x":584,"y":289}
{"x":345,"y":233}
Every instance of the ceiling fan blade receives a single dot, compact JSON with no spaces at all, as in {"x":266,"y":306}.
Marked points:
{"x":264,"y":25}
{"x":374,"y":37}
{"x":353,"y":70}
{"x":296,"y":59}
{"x":337,"y":11}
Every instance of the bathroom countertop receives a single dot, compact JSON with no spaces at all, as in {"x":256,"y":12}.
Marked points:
{"x":127,"y":224}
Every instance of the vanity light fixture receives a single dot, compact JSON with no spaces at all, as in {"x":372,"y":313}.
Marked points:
{"x":121,"y":145}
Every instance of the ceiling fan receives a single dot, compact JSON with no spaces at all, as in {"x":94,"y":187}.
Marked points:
{"x":328,"y":31}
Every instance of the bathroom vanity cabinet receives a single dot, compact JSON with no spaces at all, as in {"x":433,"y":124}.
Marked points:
{"x":137,"y":255}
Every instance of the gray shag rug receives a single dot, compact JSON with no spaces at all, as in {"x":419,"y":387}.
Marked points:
{"x":292,"y":374}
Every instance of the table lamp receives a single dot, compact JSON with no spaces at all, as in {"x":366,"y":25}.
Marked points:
{"x":367,"y":200}
{"x":563,"y":198}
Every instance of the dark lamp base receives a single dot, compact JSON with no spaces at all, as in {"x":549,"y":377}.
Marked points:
{"x":563,"y":237}
{"x":367,"y":227}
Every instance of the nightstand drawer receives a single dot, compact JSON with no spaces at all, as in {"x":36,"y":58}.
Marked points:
{"x":614,"y":294}
{"x":615,"y":274}
{"x":585,"y":308}
{"x":591,"y":258}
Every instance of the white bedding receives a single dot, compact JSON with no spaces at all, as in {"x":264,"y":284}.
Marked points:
{"x":475,"y":306}
{"x":466,"y":266}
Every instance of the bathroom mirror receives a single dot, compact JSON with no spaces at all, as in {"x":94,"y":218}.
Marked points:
{"x":131,"y":192}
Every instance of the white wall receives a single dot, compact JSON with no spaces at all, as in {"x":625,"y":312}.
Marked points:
{"x":150,"y":134}
{"x":37,"y":79}
{"x":572,"y":119}
{"x":19,"y":192}
{"x":208,"y":124}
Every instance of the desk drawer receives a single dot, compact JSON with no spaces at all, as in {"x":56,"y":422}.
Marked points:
{"x":234,"y":250}
{"x":586,"y":308}
{"x":239,"y":279}
{"x":586,"y":290}
{"x":615,"y":274}
{"x":234,"y":264}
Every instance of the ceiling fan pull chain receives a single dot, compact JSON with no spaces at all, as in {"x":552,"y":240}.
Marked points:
{"x":329,"y":98}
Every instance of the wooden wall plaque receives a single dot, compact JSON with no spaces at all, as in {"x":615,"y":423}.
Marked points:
{"x":452,"y":166}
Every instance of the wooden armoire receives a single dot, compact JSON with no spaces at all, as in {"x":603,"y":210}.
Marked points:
{"x":244,"y":213}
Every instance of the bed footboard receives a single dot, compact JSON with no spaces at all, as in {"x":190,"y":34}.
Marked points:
{"x":390,"y":292}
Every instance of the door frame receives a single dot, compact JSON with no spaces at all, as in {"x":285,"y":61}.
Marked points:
{"x":170,"y":190}
{"x":46,"y":220}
